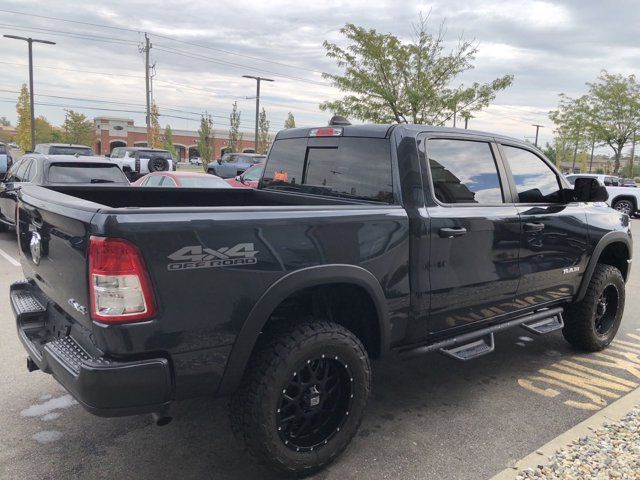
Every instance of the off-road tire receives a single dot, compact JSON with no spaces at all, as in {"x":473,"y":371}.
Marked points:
{"x":283,"y":351}
{"x":580,"y":328}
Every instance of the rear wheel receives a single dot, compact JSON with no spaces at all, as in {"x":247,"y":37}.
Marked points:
{"x":592,"y":323}
{"x":303,"y":397}
{"x":624,"y":206}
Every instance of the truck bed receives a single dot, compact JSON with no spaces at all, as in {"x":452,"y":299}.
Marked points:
{"x":132,"y":197}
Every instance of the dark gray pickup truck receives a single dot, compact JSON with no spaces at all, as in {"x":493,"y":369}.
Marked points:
{"x":360,"y":242}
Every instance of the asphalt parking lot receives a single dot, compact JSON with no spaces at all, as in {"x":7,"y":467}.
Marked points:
{"x":430,"y":417}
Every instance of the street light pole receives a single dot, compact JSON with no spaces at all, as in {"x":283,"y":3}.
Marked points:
{"x":30,"y":41}
{"x":537,"y":130}
{"x":258,"y":80}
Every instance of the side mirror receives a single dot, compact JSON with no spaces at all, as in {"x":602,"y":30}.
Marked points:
{"x":589,"y":190}
{"x":239,"y":178}
{"x":108,"y":155}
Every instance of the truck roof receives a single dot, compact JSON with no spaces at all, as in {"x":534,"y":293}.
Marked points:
{"x":64,"y":145}
{"x":44,"y":158}
{"x":383,"y":131}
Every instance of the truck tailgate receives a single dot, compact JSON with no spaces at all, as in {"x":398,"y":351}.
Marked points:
{"x":53,"y":237}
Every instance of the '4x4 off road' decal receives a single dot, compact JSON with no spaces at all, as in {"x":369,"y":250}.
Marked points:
{"x":189,"y":258}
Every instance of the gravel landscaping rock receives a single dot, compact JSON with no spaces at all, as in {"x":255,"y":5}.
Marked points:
{"x":611,"y":452}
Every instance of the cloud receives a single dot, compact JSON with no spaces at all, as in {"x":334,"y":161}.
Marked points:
{"x":550,"y":47}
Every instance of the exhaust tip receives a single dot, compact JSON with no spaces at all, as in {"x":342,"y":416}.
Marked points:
{"x":160,"y":419}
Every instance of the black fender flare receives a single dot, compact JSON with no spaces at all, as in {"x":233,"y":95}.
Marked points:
{"x":283,"y":288}
{"x":605,"y":241}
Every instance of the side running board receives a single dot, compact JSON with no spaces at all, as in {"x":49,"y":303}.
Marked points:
{"x":474,"y":344}
{"x":546,"y":325}
{"x":471,"y":350}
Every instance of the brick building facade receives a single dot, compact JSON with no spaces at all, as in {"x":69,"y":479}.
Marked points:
{"x":112,"y":132}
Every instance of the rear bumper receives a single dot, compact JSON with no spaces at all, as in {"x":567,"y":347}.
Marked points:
{"x":104,"y":386}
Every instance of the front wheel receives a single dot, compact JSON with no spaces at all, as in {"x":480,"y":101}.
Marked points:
{"x":303,"y":397}
{"x":624,"y":206}
{"x":592,"y":323}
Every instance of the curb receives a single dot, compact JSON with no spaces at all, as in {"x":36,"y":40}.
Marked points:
{"x":611,"y":413}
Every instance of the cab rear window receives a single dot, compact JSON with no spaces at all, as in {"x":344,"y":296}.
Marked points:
{"x":85,"y":173}
{"x":347,"y":167}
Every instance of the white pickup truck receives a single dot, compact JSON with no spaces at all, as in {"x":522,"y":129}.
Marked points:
{"x":623,"y":199}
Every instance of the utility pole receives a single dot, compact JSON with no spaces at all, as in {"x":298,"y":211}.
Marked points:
{"x":31,"y":41}
{"x":538,"y":127}
{"x":258,"y":80}
{"x":147,"y":77}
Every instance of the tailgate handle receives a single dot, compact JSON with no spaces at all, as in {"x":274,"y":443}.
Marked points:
{"x":452,"y":232}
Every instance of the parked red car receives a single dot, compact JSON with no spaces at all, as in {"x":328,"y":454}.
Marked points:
{"x":249,"y":178}
{"x":181,"y":179}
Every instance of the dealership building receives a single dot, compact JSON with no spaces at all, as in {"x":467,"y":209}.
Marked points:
{"x":112,"y":132}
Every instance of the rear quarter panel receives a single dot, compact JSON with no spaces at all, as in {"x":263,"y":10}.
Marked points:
{"x":203,"y":306}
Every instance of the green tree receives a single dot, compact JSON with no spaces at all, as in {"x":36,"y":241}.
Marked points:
{"x":4,"y":122}
{"x":290,"y":122}
{"x":263,"y":132}
{"x":387,"y":80}
{"x":550,"y":151}
{"x":78,"y":128}
{"x":168,"y":141}
{"x":154,"y":132}
{"x":235,"y":136}
{"x":613,"y":103}
{"x":45,"y":132}
{"x":205,"y":139}
{"x":23,"y":127}
{"x":572,"y":119}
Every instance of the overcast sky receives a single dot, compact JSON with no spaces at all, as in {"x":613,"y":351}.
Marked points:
{"x":550,"y":47}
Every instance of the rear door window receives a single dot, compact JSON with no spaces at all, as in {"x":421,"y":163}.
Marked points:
{"x":463,"y":171}
{"x":347,"y":167}
{"x":154,"y":181}
{"x":535,"y":181}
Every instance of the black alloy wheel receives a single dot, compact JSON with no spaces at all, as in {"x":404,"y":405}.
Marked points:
{"x":315,"y":403}
{"x":606,"y":310}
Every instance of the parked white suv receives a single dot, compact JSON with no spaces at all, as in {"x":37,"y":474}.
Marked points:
{"x":138,"y":161}
{"x":623,"y":199}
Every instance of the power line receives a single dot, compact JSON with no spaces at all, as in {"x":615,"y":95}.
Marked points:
{"x":75,"y":70}
{"x":84,"y":36}
{"x":167,"y":37}
{"x":204,"y":58}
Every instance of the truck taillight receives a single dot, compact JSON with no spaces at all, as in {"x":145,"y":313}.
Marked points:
{"x":119,"y":283}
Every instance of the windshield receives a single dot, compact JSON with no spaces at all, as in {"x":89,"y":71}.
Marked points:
{"x":203,"y":181}
{"x":152,"y":154}
{"x":82,"y":151}
{"x":253,"y":174}
{"x":85,"y":173}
